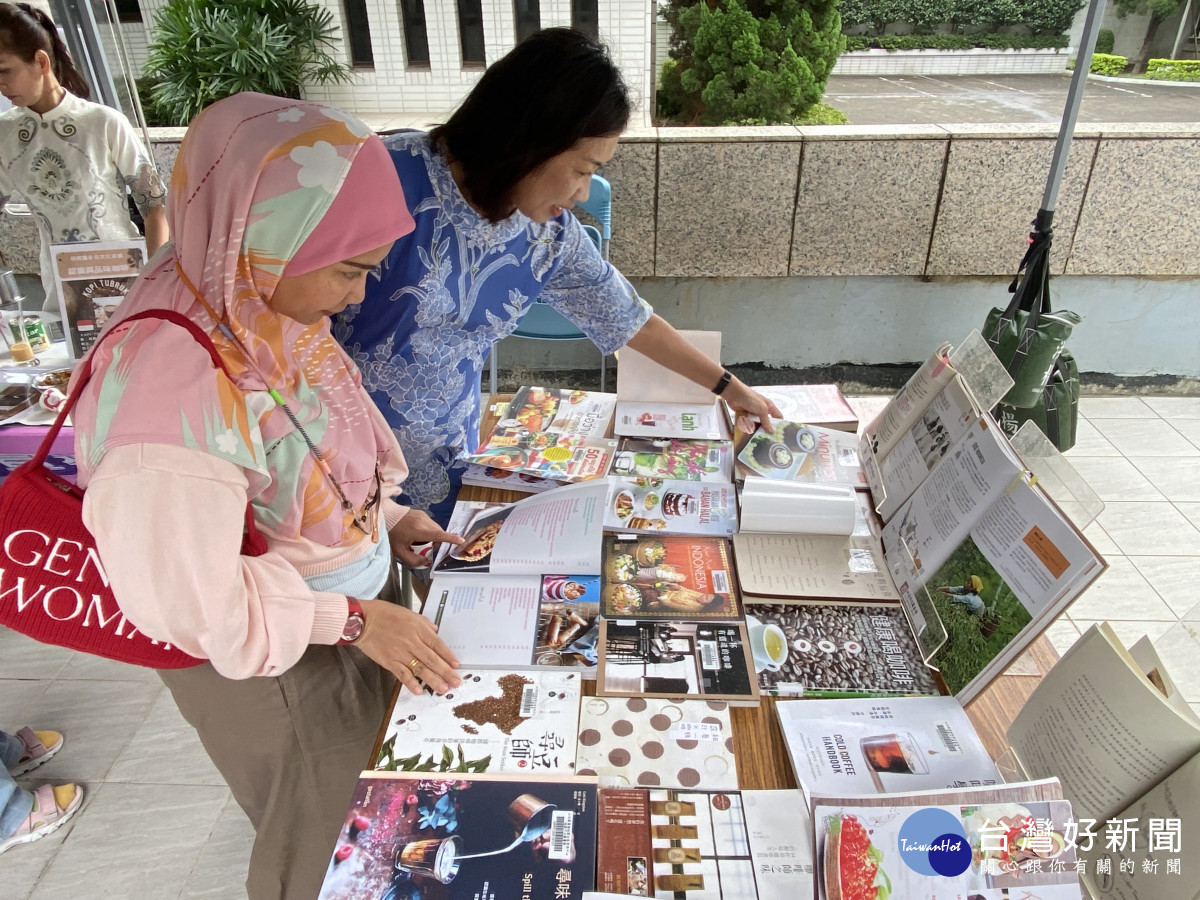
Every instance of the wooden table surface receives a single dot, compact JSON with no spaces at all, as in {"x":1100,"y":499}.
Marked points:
{"x":762,"y":757}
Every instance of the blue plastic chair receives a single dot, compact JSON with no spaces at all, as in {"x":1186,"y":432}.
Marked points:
{"x":543,"y":322}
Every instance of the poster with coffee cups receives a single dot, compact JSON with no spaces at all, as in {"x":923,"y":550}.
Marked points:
{"x":667,"y":506}
{"x":92,"y":280}
{"x":792,"y":451}
{"x":807,"y":650}
{"x":455,"y":835}
{"x":883,"y":745}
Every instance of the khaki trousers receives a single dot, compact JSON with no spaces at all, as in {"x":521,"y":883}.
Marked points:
{"x":290,"y":748}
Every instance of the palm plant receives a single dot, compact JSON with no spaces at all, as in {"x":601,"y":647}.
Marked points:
{"x":204,"y":50}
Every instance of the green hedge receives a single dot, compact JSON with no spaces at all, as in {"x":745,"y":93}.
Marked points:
{"x":1105,"y":40}
{"x":1173,"y":69}
{"x":1107,"y":64}
{"x":956,"y":42}
{"x":1039,"y":16}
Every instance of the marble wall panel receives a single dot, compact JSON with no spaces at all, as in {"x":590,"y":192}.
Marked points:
{"x":633,"y":174}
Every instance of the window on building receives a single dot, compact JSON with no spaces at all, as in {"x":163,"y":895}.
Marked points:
{"x":470,"y":32}
{"x":528,"y":16}
{"x":585,"y":17}
{"x":358,"y":34}
{"x":128,"y":11}
{"x":416,"y":35}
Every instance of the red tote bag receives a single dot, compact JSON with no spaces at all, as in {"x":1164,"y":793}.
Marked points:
{"x":52,"y":583}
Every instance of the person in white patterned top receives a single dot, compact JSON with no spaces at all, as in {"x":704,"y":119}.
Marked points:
{"x":69,"y":159}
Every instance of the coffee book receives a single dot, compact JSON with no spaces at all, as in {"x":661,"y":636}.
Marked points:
{"x":521,"y":722}
{"x":1003,"y":842}
{"x":1126,"y":746}
{"x":816,"y":404}
{"x":464,"y":837}
{"x":677,"y":458}
{"x":836,"y":649}
{"x":795,"y":451}
{"x":684,"y":744}
{"x":655,"y":402}
{"x":675,"y":659}
{"x":883,"y":745}
{"x":732,"y":845}
{"x":552,"y":433}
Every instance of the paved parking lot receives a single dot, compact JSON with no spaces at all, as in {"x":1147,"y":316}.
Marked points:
{"x":917,"y":99}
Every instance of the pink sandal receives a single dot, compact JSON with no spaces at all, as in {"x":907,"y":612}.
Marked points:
{"x":46,"y":816}
{"x":40,"y":746}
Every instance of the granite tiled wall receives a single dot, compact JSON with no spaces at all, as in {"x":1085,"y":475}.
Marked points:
{"x":725,"y":208}
{"x":867,"y":203}
{"x":633,"y":173}
{"x":1140,"y":216}
{"x":992,"y":191}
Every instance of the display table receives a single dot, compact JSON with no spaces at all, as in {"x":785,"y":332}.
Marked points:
{"x":762,"y":757}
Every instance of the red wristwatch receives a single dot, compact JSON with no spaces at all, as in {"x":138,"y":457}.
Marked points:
{"x":355,"y":622}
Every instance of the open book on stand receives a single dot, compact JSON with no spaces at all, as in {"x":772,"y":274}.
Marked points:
{"x":654,"y":402}
{"x":1109,"y":722}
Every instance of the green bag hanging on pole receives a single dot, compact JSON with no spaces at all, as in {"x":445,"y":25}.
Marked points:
{"x":1027,"y":336}
{"x":1057,"y":411}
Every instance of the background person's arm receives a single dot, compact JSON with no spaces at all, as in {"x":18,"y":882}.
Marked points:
{"x":157,"y":231}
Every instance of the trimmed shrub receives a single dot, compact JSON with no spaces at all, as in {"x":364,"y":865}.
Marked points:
{"x":1105,"y":40}
{"x":1107,"y":64}
{"x":956,"y":42}
{"x":1173,"y":69}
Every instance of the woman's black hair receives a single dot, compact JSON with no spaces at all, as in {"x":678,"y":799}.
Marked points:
{"x":552,"y":90}
{"x":24,"y":30}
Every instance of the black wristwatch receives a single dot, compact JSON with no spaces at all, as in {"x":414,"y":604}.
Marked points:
{"x":726,"y":377}
{"x":355,"y":622}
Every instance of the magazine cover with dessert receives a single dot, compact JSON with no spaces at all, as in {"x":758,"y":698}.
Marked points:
{"x":676,"y":458}
{"x":552,"y":433}
{"x":521,"y":722}
{"x":425,"y":835}
{"x":667,"y":577}
{"x":807,"y":453}
{"x":667,"y":506}
{"x":676,"y":659}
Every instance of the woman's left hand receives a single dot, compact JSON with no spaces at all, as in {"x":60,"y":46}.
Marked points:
{"x":416,"y":527}
{"x":746,"y":402}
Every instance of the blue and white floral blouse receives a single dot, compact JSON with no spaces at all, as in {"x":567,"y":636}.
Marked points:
{"x":446,"y":293}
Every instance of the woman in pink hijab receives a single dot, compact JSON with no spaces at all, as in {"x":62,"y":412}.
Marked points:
{"x":281,"y":210}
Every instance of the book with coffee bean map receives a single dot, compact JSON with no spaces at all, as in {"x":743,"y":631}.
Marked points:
{"x":521,"y":722}
{"x":807,"y":453}
{"x":667,"y":506}
{"x":676,"y":659}
{"x":455,"y":836}
{"x":882,"y":745}
{"x":676,"y":458}
{"x":552,"y":433}
{"x":836,"y":649}
{"x":657,"y":743}
{"x":668,"y":577}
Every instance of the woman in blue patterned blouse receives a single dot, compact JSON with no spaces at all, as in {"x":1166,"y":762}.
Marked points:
{"x":491,"y":192}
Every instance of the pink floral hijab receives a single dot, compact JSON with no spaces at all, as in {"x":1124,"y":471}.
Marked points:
{"x":263,"y":187}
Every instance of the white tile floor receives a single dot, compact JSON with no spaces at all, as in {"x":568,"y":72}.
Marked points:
{"x":159,"y":824}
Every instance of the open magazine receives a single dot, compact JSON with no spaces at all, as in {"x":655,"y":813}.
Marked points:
{"x":993,"y":553}
{"x":654,"y":402}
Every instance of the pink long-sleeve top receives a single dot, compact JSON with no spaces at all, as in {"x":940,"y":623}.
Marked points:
{"x":168,"y":525}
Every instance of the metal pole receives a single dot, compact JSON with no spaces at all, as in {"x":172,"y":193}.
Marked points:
{"x":1083,"y":65}
{"x":1183,"y":24}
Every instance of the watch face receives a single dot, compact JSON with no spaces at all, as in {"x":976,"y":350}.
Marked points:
{"x":354,"y":627}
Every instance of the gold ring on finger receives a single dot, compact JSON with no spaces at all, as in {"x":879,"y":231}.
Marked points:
{"x":413,"y":665}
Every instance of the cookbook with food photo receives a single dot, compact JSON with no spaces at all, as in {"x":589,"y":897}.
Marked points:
{"x":668,"y":577}
{"x":676,"y":458}
{"x":667,"y":506}
{"x":792,"y":451}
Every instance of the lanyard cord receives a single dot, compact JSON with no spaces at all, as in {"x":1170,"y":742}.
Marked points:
{"x":360,"y":521}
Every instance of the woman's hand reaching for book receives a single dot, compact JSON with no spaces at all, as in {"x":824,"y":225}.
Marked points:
{"x":745,"y":402}
{"x":407,"y":645}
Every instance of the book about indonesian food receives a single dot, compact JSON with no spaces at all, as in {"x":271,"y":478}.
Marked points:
{"x":660,"y":743}
{"x":794,"y":451}
{"x":883,"y":745}
{"x":552,"y":433}
{"x":675,"y":659}
{"x":676,"y":458}
{"x":727,"y":844}
{"x":668,"y":577}
{"x":996,"y":843}
{"x":465,"y":837}
{"x":519,"y":722}
{"x":836,"y":649}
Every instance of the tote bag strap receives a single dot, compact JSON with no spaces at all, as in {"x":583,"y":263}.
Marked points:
{"x":254,"y":540}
